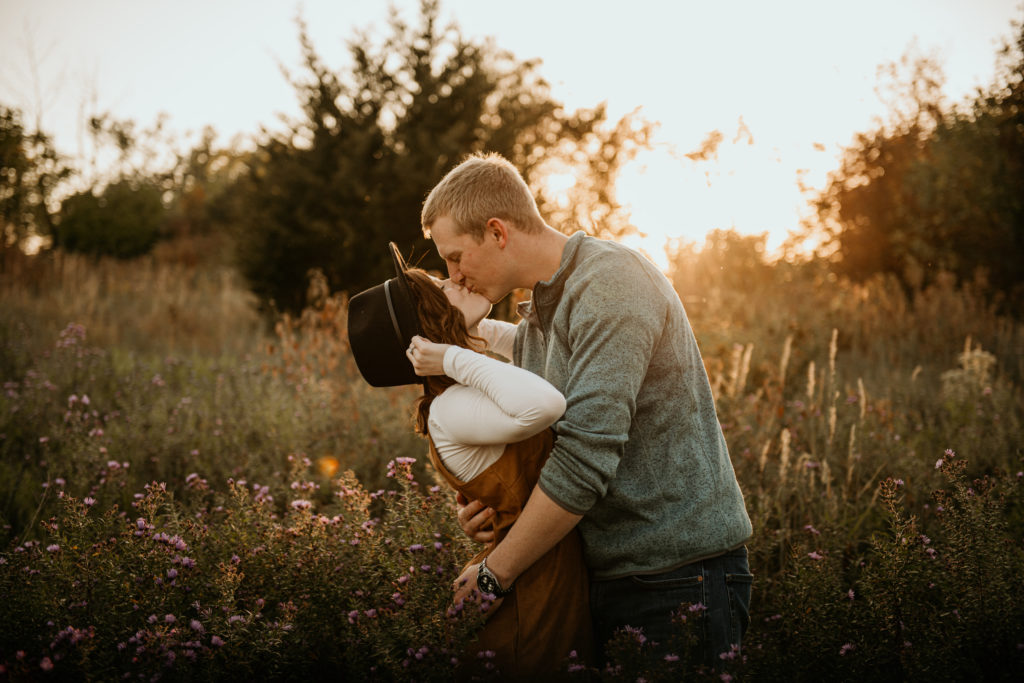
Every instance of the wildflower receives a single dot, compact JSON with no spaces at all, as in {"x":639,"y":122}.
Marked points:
{"x":939,"y":463}
{"x":172,"y":573}
{"x":216,"y":641}
{"x":46,"y":664}
{"x":44,"y":439}
{"x":811,"y":529}
{"x":89,"y":501}
{"x":950,"y":453}
{"x":815,"y":555}
{"x":372,"y":613}
{"x":53,"y":548}
{"x":849,"y":594}
{"x":671,"y":658}
{"x":188,"y":562}
{"x":169,"y":618}
{"x":301,"y":504}
{"x":848,"y":647}
{"x":698,"y":607}
{"x":416,"y":547}
{"x":726,"y":678}
{"x":352,"y":616}
{"x":196,"y":625}
{"x":235,"y":618}
{"x":235,"y":559}
{"x":638,"y":633}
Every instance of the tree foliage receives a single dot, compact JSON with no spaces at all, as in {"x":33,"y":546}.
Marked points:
{"x":30,"y":169}
{"x":942,"y":189}
{"x":351,"y":175}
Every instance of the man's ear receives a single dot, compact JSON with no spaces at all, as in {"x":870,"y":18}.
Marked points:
{"x":498,"y":230}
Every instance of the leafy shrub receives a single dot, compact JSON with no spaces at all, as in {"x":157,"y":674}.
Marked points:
{"x":125,"y":220}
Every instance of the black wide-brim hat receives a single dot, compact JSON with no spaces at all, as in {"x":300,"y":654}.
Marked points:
{"x":381,"y":324}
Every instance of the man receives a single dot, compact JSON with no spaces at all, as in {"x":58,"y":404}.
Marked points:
{"x":639,"y":463}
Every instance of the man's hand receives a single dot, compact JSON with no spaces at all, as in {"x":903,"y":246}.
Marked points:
{"x":475,"y":520}
{"x":427,"y":358}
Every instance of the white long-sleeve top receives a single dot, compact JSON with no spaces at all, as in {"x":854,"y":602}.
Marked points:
{"x":494,"y":404}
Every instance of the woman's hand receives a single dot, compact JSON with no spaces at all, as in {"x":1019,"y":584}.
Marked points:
{"x":427,"y":358}
{"x":475,"y":519}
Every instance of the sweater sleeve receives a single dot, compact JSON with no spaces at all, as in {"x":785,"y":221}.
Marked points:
{"x":612,"y":326}
{"x":497,"y":403}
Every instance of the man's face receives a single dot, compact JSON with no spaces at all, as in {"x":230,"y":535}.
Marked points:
{"x":471,"y":264}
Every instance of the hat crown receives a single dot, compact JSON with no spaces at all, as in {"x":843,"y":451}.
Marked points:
{"x":382,"y":321}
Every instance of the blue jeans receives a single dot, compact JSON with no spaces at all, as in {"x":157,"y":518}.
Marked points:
{"x":722,"y":584}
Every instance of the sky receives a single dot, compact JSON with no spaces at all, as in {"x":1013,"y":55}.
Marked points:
{"x":788,"y":83}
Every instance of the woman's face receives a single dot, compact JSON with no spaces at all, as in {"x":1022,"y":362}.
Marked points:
{"x":474,"y":307}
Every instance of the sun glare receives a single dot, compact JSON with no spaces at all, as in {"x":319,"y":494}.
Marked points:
{"x":740,"y":187}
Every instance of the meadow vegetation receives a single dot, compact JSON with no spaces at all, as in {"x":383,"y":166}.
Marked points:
{"x":190,"y":492}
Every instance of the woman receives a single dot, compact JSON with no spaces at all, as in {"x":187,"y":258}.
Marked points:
{"x":487,"y":423}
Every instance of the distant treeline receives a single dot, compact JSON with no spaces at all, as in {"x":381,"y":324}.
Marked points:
{"x":938,"y":188}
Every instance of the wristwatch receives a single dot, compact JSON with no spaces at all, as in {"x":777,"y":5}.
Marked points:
{"x":488,"y":583}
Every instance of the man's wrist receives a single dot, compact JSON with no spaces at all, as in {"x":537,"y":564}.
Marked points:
{"x":489,"y":582}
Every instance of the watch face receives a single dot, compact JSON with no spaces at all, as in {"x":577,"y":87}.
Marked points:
{"x":487,"y":584}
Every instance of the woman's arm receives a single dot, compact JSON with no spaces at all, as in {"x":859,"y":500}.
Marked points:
{"x":500,"y":336}
{"x":497,"y":403}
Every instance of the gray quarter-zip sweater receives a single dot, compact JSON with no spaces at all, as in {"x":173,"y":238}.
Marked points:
{"x":639,"y":452}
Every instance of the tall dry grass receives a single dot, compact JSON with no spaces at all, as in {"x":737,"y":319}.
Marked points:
{"x":161,"y":303}
{"x":845,"y":406}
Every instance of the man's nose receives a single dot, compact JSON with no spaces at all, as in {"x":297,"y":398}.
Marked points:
{"x":455,"y":275}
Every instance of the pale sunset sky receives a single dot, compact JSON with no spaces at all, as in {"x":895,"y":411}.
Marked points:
{"x":788,"y":83}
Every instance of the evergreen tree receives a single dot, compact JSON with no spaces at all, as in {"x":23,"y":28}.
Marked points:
{"x":352,"y":174}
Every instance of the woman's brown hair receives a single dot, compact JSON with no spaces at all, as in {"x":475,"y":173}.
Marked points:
{"x":442,"y":323}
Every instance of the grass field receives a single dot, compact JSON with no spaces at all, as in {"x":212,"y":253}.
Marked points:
{"x":191,"y":491}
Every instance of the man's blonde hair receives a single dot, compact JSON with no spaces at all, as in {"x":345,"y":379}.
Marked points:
{"x":482,"y":187}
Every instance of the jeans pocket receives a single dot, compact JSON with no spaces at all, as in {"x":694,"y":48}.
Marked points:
{"x":739,"y":588}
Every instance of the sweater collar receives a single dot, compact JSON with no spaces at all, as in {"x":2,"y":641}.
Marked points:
{"x":549,"y":291}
